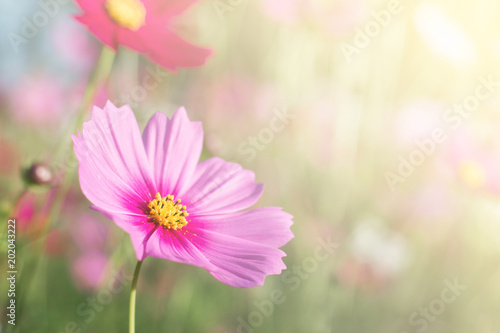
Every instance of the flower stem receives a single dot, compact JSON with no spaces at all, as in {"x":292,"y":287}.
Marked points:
{"x":131,"y":318}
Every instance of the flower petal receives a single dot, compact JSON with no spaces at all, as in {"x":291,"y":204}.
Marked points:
{"x":136,"y":226}
{"x":114,"y":172}
{"x":163,"y":47}
{"x":167,"y":8}
{"x":175,"y":245}
{"x":268,"y":225}
{"x":173,"y":148}
{"x":97,"y":20}
{"x":220,"y":187}
{"x":235,"y":261}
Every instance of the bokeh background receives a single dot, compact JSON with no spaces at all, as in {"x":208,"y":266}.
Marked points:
{"x":387,"y":155}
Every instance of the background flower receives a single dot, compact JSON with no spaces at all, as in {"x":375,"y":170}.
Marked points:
{"x":144,"y":26}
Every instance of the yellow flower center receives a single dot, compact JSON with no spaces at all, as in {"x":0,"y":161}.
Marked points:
{"x":127,"y":13}
{"x":168,"y":213}
{"x":472,"y":174}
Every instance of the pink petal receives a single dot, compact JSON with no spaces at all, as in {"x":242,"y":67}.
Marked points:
{"x":167,"y":8}
{"x":136,"y":225}
{"x":92,"y":6}
{"x":102,"y":27}
{"x":220,"y":187}
{"x":114,"y":172}
{"x":232,"y":260}
{"x":235,"y":261}
{"x":269,"y":225}
{"x":164,"y":47}
{"x":125,"y":220}
{"x":98,"y":21}
{"x":173,"y":148}
{"x":140,"y":238}
{"x":175,"y":245}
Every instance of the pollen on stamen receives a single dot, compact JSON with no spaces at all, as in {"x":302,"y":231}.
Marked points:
{"x":130,"y":14}
{"x":167,"y":212}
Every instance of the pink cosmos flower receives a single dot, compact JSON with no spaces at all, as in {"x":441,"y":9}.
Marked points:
{"x":144,"y":26}
{"x":139,"y":182}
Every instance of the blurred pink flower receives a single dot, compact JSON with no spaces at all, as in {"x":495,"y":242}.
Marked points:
{"x":342,"y":17}
{"x":88,"y":269}
{"x":32,"y":212}
{"x":144,"y":26}
{"x":38,"y":100}
{"x":473,"y":162}
{"x":137,"y":181}
{"x":338,"y":18}
{"x":416,"y":121}
{"x":285,"y":11}
{"x":89,"y":233}
{"x":88,"y":265}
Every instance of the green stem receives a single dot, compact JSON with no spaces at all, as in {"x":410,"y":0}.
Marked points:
{"x":131,"y":318}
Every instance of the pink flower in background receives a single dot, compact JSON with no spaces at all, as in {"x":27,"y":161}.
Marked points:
{"x":285,"y":11}
{"x":32,"y":212}
{"x":89,"y":233}
{"x":343,"y":17}
{"x":88,"y":269}
{"x":173,"y":207}
{"x":475,"y":163}
{"x":417,"y":121}
{"x":144,"y":26}
{"x":38,"y":100}
{"x":89,"y":263}
{"x":335,"y":17}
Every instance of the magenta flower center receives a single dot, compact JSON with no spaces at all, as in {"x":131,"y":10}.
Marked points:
{"x":130,"y":14}
{"x":168,"y":213}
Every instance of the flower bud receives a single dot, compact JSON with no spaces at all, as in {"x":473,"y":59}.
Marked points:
{"x":39,"y":174}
